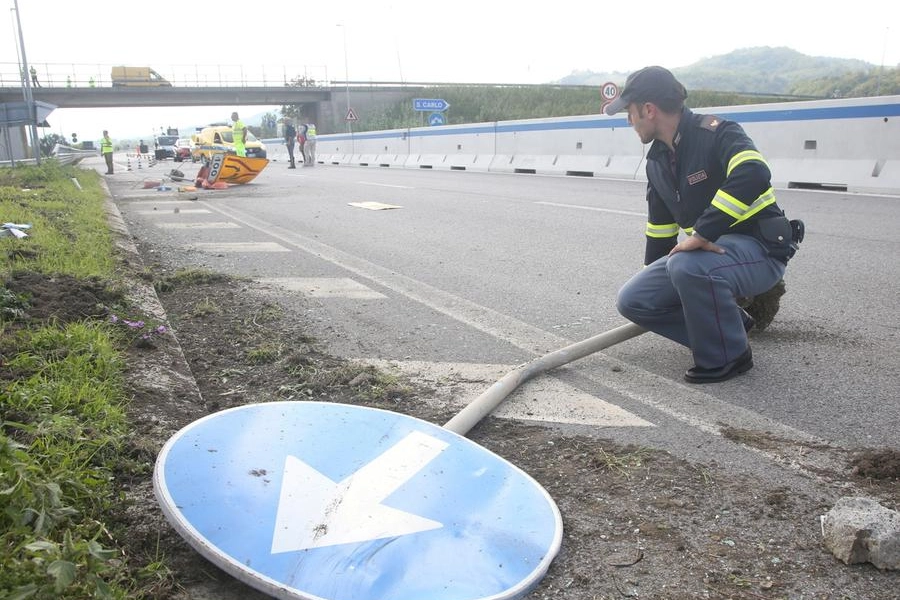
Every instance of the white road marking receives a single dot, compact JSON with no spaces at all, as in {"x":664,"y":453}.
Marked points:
{"x":210,"y":225}
{"x":173,"y":202}
{"x":324,"y":287}
{"x":374,"y":205}
{"x":594,"y":208}
{"x":545,"y":399}
{"x":185,"y":211}
{"x":239,"y":247}
{"x":387,"y":185}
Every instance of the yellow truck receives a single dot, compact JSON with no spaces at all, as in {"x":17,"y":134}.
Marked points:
{"x":137,"y":76}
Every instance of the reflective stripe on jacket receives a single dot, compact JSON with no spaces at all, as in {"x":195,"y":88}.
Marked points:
{"x":715,"y":182}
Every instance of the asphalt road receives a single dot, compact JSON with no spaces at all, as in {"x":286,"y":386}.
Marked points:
{"x":476,"y":270}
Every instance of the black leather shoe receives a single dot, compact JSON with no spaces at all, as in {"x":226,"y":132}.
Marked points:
{"x":749,"y":321}
{"x":741,"y":364}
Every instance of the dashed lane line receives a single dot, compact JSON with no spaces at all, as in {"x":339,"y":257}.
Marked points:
{"x":176,"y":211}
{"x":206,"y":225}
{"x":594,"y":208}
{"x":238,"y":247}
{"x":324,"y":287}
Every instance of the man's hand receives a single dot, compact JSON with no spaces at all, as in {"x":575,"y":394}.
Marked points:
{"x":696,"y":242}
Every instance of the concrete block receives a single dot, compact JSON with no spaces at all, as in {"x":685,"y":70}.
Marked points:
{"x":465,"y":162}
{"x":427,"y":161}
{"x":623,"y":167}
{"x":481,"y":162}
{"x":333,"y":159}
{"x":391,"y":160}
{"x":541,"y":164}
{"x":859,"y":530}
{"x":501,"y":163}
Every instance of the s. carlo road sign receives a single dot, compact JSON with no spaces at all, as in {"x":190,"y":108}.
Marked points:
{"x":325,"y":501}
{"x":430,"y":104}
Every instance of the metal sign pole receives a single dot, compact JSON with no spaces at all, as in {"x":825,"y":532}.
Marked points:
{"x":484,"y":404}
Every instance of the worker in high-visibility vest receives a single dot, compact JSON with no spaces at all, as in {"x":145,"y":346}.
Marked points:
{"x":309,"y":149}
{"x":239,"y":135}
{"x":106,"y":149}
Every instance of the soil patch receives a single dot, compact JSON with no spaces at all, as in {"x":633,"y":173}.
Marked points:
{"x":63,"y":297}
{"x":878,"y":464}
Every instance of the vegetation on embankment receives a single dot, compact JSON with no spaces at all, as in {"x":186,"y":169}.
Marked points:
{"x":62,"y":404}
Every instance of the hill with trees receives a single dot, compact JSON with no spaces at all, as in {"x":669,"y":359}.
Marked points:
{"x":771,"y":71}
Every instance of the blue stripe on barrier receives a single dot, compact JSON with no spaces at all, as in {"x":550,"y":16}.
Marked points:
{"x":758,"y":116}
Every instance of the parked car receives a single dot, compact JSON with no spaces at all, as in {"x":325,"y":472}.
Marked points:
{"x":218,"y":138}
{"x":165,"y":146}
{"x":183,"y":148}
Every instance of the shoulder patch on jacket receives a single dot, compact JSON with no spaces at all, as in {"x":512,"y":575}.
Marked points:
{"x":710,"y":122}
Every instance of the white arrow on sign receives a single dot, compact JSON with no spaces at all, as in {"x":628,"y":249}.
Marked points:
{"x":314,"y":511}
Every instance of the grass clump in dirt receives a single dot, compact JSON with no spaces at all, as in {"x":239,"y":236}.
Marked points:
{"x":364,"y":383}
{"x":622,"y":463}
{"x":186,"y":277}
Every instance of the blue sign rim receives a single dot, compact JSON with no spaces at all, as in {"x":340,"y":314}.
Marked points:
{"x":280,"y":590}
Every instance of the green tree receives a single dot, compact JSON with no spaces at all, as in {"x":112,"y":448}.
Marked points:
{"x":268,"y":127}
{"x":298,"y":112}
{"x":859,"y":84}
{"x":48,"y":143}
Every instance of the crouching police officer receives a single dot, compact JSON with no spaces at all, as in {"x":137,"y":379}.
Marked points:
{"x":707,"y":178}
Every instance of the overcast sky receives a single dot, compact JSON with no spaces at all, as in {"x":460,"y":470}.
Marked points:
{"x":464,"y":41}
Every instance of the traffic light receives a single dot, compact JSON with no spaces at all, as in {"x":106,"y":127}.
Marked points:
{"x":74,"y":138}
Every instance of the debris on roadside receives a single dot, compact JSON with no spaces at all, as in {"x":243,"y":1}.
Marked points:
{"x":859,"y":530}
{"x":14,"y":229}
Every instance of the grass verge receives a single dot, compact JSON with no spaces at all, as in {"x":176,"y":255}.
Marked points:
{"x":62,"y":405}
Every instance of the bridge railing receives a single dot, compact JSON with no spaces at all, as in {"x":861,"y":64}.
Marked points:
{"x":99,"y":75}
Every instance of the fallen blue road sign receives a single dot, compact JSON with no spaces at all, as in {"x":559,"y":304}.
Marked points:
{"x":324,"y":501}
{"x":430,"y":104}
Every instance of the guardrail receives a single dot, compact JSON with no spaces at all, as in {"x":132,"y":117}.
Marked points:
{"x":99,"y":75}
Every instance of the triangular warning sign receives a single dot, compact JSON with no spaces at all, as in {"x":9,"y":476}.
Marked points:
{"x":351,"y":116}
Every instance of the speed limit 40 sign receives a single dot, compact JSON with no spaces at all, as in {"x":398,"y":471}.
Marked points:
{"x":610,"y":92}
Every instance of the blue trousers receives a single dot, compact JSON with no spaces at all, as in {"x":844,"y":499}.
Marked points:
{"x":691,"y":297}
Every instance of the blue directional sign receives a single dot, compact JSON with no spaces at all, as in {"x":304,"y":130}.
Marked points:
{"x":430,"y":104}
{"x":325,"y":501}
{"x":435,"y":119}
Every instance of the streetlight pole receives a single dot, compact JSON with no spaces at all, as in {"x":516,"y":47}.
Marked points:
{"x":26,"y":88}
{"x":347,"y":83}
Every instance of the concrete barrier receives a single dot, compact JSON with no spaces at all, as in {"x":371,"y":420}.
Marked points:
{"x":276,"y":151}
{"x":851,"y":144}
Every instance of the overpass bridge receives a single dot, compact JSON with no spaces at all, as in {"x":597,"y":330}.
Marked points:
{"x":64,"y":85}
{"x":136,"y":96}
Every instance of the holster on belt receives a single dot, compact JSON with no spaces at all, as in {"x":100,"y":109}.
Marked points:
{"x":781,"y":237}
